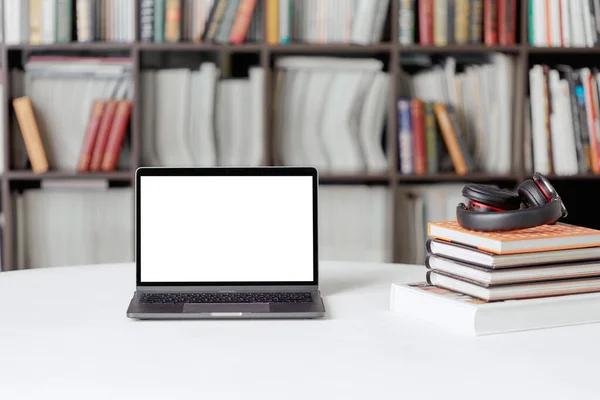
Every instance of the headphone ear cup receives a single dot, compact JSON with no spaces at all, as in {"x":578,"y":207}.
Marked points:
{"x":531,"y":194}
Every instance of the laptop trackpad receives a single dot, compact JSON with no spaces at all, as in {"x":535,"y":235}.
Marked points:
{"x":225,"y":307}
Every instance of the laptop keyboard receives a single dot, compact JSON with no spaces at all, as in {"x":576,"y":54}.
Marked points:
{"x":177,"y":298}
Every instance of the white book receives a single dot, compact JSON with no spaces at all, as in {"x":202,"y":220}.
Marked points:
{"x":565,"y":20}
{"x":555,"y":23}
{"x":539,"y":16}
{"x":538,"y":130}
{"x":363,"y":24}
{"x":466,"y":315}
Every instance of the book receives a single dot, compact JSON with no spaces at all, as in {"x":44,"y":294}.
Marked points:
{"x":527,"y":290}
{"x":31,"y":134}
{"x":116,"y":136}
{"x":481,"y":258}
{"x":90,"y":136}
{"x":540,"y":238}
{"x":466,"y":315}
{"x":491,"y":277}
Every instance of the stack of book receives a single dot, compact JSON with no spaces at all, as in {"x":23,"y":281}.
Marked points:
{"x":532,"y":278}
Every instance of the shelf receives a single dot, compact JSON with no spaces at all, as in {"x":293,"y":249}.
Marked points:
{"x":354,"y":178}
{"x":565,"y":50}
{"x":450,"y":177}
{"x":72,"y":46}
{"x":330,"y":48}
{"x":191,"y":46}
{"x":576,"y":177}
{"x":26,"y":175}
{"x":459,"y":48}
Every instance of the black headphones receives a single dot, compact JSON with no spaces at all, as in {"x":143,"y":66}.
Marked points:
{"x":493,"y":209}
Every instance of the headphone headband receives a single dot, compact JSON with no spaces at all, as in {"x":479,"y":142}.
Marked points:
{"x":547,"y":213}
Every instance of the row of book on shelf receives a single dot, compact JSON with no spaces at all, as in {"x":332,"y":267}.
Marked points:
{"x":562,"y":23}
{"x":219,"y":21}
{"x":563,"y":126}
{"x":444,"y":22}
{"x":72,"y":113}
{"x":457,"y":116}
{"x":48,"y":220}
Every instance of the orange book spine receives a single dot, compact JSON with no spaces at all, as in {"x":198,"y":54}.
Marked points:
{"x":103,"y":134}
{"x":418,"y":125}
{"x":91,"y":133}
{"x":31,"y":134}
{"x":272,"y":21}
{"x":173,"y":21}
{"x":117,"y":134}
{"x":242,"y":21}
{"x":450,"y":139}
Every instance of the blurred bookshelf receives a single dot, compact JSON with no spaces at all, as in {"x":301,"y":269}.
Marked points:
{"x":400,"y":44}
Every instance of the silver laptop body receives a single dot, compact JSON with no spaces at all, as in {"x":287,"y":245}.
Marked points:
{"x":226,"y":243}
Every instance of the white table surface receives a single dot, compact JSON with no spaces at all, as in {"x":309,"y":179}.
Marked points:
{"x":64,"y":335}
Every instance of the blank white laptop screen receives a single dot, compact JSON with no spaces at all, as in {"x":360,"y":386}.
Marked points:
{"x":226,"y":229}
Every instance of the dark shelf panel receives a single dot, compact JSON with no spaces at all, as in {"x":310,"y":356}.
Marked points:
{"x":329,"y":48}
{"x":190,"y":46}
{"x":577,"y":177}
{"x":475,"y":177}
{"x":73,"y":46}
{"x":354,"y":178}
{"x":26,"y":175}
{"x":459,"y":48}
{"x":563,"y":50}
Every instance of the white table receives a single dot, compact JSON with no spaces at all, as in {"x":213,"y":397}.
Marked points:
{"x":64,"y":335}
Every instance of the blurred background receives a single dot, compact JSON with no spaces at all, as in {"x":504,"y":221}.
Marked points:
{"x":398,"y":103}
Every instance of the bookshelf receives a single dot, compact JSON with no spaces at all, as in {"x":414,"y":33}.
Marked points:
{"x":391,"y":51}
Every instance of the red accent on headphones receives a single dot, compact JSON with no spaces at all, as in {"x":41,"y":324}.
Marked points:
{"x":546,"y":195}
{"x":477,"y":206}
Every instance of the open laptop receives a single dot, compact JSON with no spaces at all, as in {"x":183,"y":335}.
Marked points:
{"x":226,"y":243}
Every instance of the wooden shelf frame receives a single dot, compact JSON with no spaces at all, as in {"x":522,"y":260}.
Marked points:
{"x":391,"y":50}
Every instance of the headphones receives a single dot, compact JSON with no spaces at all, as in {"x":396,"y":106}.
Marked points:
{"x":492,"y":209}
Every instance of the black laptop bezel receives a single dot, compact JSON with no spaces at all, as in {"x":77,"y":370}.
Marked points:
{"x":227,"y":171}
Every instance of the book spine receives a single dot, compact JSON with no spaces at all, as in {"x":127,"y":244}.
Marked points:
{"x":103,"y":135}
{"x":490,"y":22}
{"x":426,"y":22}
{"x":272,"y":21}
{"x":405,"y":137}
{"x":585,"y":137}
{"x":476,"y":21}
{"x":418,"y":125}
{"x":31,"y":134}
{"x":35,"y":21}
{"x":214,"y":20}
{"x":146,"y":20}
{"x":431,"y":135}
{"x":595,"y":118}
{"x":450,"y":139}
{"x":461,"y":21}
{"x":159,"y":21}
{"x":450,"y":19}
{"x":64,"y":20}
{"x":173,"y":21}
{"x":406,"y":18}
{"x":117,"y":135}
{"x":547,"y":113}
{"x":91,"y":134}
{"x":226,"y":24}
{"x":509,"y":21}
{"x":242,"y":21}
{"x":576,"y":120}
{"x":440,"y":17}
{"x":456,"y":127}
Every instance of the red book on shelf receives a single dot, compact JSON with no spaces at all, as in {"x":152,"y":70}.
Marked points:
{"x":91,"y":133}
{"x":116,"y":136}
{"x":507,"y":17}
{"x":490,"y":22}
{"x":103,"y":134}
{"x":418,"y":125}
{"x":242,"y":21}
{"x":426,"y":22}
{"x":591,"y":106}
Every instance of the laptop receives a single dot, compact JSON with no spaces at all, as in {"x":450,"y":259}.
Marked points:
{"x":226,"y":243}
